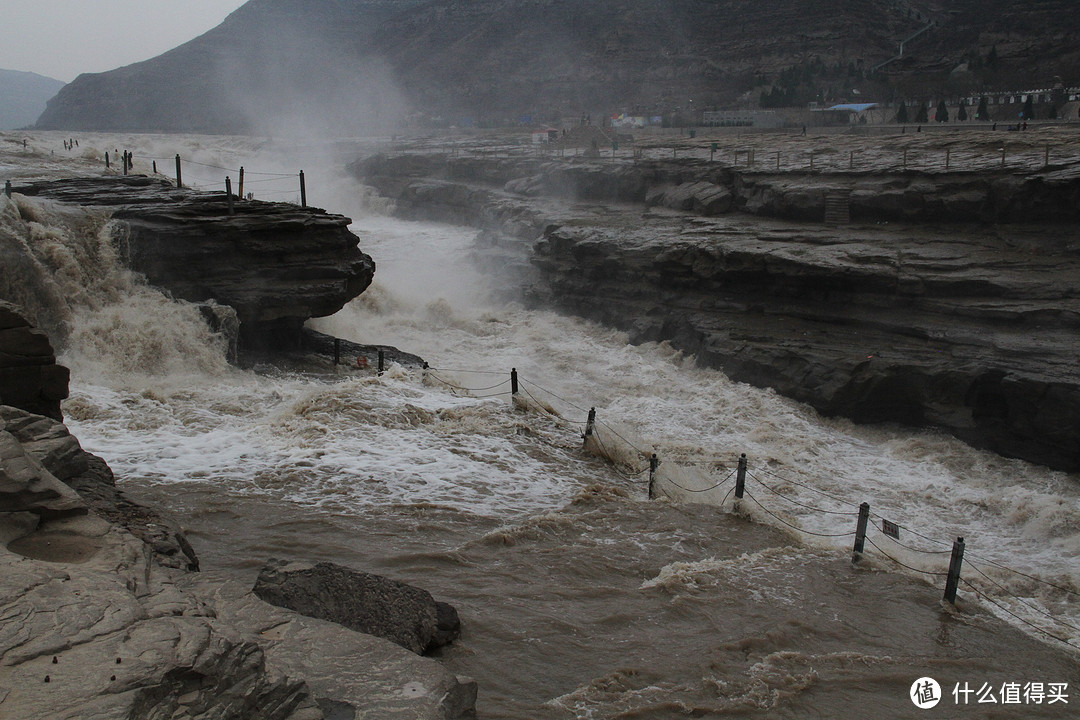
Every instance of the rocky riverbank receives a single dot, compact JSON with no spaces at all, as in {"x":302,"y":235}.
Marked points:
{"x":930,"y":298}
{"x":106,"y":616}
{"x":274,"y":264}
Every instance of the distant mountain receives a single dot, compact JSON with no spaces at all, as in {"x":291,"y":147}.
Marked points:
{"x":23,"y":96}
{"x":346,"y":66}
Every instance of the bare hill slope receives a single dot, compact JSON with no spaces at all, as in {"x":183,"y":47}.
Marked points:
{"x":346,"y":65}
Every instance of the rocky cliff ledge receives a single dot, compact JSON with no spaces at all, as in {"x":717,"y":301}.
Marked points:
{"x":29,"y":375}
{"x":104,"y":618}
{"x":933,"y":307}
{"x":276,"y":264}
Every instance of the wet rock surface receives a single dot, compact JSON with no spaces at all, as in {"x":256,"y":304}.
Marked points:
{"x":61,"y":455}
{"x":943,"y":299}
{"x":351,"y":674}
{"x":276,"y":264}
{"x":367,"y":603}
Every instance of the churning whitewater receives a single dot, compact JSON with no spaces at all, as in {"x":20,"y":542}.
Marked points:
{"x":600,"y":602}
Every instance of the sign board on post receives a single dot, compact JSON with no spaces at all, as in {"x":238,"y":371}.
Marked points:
{"x":891,"y":529}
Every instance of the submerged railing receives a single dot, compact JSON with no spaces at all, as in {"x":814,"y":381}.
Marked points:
{"x":680,"y":482}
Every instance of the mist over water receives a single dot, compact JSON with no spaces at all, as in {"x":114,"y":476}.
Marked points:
{"x":600,"y":601}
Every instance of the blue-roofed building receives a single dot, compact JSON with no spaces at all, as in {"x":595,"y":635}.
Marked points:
{"x":854,"y":112}
{"x":853,"y":107}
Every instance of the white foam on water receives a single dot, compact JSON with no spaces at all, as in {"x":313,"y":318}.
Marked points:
{"x":340,"y":445}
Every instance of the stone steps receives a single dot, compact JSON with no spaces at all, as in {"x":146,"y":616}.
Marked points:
{"x":838,"y":208}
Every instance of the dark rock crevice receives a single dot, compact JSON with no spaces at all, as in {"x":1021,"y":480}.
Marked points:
{"x":30,"y":378}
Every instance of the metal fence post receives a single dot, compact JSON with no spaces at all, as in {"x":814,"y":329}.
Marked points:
{"x":654,"y":462}
{"x":740,"y":477}
{"x":860,"y":532}
{"x":955,"y":562}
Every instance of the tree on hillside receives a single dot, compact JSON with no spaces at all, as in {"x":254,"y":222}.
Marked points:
{"x":901,"y":114}
{"x":923,"y":115}
{"x":983,"y":113}
{"x":1029,"y":107}
{"x":961,"y":114}
{"x":942,"y":114}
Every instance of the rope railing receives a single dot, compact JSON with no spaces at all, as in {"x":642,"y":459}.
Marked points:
{"x":665,"y":478}
{"x":811,"y":488}
{"x":983,"y":596}
{"x":702,"y":490}
{"x":905,"y":154}
{"x":911,"y":149}
{"x":242,"y":184}
{"x":905,"y":565}
{"x":796,"y":502}
{"x":1006,"y":591}
{"x":794,"y":527}
{"x":911,"y":548}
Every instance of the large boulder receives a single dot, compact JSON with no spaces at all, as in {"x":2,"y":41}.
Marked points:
{"x":351,"y":674}
{"x":360,"y":601}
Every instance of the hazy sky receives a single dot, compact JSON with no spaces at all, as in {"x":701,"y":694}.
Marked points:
{"x":62,"y":38}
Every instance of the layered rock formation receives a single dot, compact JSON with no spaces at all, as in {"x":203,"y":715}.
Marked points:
{"x":969,"y":334}
{"x":276,"y":264}
{"x":897,"y":317}
{"x":489,"y":191}
{"x":29,"y":376}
